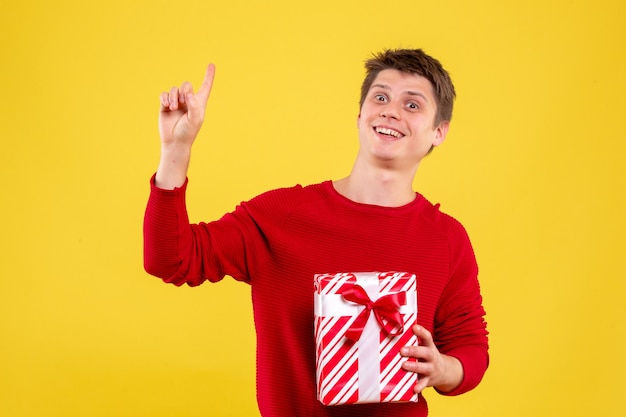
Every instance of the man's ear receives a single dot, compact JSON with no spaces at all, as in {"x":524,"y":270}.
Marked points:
{"x":441,"y":131}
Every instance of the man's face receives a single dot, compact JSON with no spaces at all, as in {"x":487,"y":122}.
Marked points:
{"x":396,"y":123}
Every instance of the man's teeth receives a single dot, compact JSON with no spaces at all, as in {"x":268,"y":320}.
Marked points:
{"x":388,"y":132}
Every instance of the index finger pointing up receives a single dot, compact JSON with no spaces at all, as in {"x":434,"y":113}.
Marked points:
{"x":205,"y":88}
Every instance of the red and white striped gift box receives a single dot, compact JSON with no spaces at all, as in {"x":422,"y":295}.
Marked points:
{"x":358,"y":337}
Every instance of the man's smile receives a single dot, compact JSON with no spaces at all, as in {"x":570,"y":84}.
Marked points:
{"x":388,"y":132}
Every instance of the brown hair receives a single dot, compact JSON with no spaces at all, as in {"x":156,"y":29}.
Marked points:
{"x":414,"y":61}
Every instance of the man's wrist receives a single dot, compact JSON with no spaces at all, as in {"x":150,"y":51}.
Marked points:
{"x":172,"y":171}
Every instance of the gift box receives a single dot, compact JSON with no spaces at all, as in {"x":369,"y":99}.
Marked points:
{"x":362,"y":320}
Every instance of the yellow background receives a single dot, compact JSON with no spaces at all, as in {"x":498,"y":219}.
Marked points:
{"x":533,"y":167}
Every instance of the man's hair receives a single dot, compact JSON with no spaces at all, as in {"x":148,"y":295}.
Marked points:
{"x":414,"y":61}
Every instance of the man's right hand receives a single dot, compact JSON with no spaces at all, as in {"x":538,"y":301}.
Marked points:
{"x":182,"y":111}
{"x":180,"y":119}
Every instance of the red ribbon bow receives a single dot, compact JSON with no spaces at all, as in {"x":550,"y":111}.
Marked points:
{"x":385,"y":310}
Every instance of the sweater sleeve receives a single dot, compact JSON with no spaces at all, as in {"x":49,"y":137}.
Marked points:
{"x":182,"y":253}
{"x":460,"y":328}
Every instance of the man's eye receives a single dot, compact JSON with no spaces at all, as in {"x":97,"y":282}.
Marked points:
{"x":380,"y":97}
{"x":413,"y":106}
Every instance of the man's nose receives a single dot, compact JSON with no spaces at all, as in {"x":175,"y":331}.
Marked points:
{"x":390,"y":111}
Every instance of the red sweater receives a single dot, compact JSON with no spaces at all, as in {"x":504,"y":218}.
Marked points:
{"x":279,"y":240}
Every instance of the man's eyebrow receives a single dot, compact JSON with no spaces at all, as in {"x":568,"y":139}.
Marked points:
{"x":383,"y":86}
{"x":417,"y":93}
{"x":409,"y":92}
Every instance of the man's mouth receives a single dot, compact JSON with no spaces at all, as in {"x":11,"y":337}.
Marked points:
{"x":388,"y":132}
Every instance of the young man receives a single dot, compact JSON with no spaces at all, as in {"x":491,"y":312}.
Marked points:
{"x":372,"y":220}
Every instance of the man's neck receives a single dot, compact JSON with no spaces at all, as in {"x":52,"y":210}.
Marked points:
{"x":380,"y":186}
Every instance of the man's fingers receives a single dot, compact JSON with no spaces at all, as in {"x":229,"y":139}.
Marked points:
{"x":426,"y":339}
{"x":207,"y":84}
{"x":417,"y":353}
{"x":165,"y":101}
{"x":422,"y":369}
{"x":185,"y":89}
{"x":420,"y":386}
{"x":173,"y":98}
{"x":196,"y":103}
